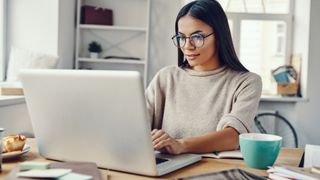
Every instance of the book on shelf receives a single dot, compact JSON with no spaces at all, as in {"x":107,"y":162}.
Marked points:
{"x":11,"y":89}
{"x":224,"y":155}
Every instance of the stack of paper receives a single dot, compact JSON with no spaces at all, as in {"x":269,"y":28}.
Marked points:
{"x":288,"y":173}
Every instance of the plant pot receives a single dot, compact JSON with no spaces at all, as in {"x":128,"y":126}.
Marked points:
{"x":94,"y":55}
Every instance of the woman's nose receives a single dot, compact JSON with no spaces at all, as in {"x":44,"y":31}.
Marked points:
{"x":188,"y":44}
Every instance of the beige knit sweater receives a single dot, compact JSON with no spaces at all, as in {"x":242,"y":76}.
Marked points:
{"x":188,"y":103}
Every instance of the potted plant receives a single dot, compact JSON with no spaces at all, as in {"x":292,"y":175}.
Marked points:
{"x":94,"y":49}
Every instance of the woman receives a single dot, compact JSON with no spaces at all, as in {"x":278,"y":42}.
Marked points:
{"x":203,"y":104}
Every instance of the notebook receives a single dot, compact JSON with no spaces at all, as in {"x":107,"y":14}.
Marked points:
{"x":236,"y":154}
{"x":95,"y":116}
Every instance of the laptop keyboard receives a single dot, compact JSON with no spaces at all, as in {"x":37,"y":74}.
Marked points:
{"x":160,"y":160}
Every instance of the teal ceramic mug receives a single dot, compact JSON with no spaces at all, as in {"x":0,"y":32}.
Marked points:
{"x":259,"y":150}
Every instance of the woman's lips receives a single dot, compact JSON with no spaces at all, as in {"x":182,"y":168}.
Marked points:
{"x":192,"y":56}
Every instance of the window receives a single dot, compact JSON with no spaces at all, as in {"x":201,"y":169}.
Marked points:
{"x":2,"y":38}
{"x":261,"y":31}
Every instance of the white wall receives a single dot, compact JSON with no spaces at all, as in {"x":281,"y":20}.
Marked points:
{"x":29,"y":25}
{"x":301,"y":35}
{"x":2,"y":37}
{"x":45,"y":26}
{"x":66,"y":31}
{"x":15,"y":119}
{"x":162,"y":50}
{"x":308,"y":114}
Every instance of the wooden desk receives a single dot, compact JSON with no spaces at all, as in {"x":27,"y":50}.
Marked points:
{"x":287,"y":156}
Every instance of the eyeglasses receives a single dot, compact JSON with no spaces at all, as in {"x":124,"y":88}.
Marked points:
{"x":196,"y":40}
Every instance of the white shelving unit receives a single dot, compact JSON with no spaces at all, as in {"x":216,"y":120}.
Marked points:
{"x":127,"y":37}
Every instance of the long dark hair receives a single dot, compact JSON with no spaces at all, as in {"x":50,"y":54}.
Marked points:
{"x":211,"y":13}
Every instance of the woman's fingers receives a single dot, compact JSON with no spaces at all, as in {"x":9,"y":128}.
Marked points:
{"x":162,"y":142}
{"x":158,"y":138}
{"x":161,"y":137}
{"x":155,"y":134}
{"x":154,"y":131}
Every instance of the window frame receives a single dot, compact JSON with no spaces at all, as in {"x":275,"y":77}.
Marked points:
{"x":3,"y":43}
{"x":237,"y":17}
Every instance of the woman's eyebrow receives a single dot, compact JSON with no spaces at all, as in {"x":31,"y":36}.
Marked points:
{"x":192,"y":33}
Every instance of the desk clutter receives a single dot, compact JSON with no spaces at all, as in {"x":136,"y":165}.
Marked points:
{"x":56,"y":170}
{"x":289,"y":173}
{"x":309,"y":168}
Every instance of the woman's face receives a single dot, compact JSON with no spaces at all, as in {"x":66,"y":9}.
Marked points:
{"x":199,"y":58}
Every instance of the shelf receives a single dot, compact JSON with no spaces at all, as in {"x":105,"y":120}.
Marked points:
{"x":114,"y":28}
{"x":278,"y":98}
{"x":119,"y":61}
{"x":129,"y":36}
{"x":11,"y":100}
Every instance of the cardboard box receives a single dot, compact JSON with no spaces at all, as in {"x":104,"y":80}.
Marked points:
{"x":292,"y":88}
{"x":96,"y":15}
{"x":287,"y":88}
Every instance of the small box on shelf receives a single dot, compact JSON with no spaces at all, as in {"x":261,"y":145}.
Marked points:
{"x":288,"y":77}
{"x":96,"y":15}
{"x":289,"y":89}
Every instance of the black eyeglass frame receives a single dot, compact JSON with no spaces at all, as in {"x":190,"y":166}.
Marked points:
{"x":191,"y":41}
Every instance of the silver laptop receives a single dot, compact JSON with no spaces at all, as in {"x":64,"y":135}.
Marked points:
{"x":96,"y":116}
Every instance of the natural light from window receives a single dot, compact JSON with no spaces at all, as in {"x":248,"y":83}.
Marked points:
{"x":256,"y":6}
{"x":262,"y":47}
{"x":261,"y":31}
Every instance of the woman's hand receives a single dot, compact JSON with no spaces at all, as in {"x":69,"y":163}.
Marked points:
{"x":164,"y":143}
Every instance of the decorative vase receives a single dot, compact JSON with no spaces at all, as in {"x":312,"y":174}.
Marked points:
{"x":94,"y":55}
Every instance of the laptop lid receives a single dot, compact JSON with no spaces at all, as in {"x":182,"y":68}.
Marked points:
{"x":95,"y":116}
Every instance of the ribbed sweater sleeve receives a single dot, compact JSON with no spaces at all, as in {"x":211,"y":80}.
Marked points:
{"x":244,"y":107}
